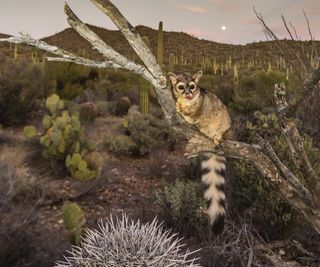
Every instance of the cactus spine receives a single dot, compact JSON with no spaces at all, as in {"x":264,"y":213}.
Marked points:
{"x":160,"y":44}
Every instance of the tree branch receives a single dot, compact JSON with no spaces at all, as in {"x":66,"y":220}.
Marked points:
{"x":103,"y":48}
{"x":261,"y":156}
{"x":295,"y":142}
{"x":65,"y":56}
{"x":134,"y":39}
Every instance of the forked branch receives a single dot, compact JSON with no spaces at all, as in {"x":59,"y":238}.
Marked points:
{"x":293,"y":191}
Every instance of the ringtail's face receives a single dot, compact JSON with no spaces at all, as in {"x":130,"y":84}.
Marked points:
{"x":185,"y":86}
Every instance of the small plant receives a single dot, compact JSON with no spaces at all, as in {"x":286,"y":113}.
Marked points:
{"x":29,"y":131}
{"x":73,"y":220}
{"x":123,"y":242}
{"x":182,"y":204}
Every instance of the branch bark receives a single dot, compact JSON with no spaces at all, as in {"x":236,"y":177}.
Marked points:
{"x":262,"y":156}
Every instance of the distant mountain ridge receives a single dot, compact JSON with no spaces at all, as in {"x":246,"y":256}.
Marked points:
{"x":179,"y":43}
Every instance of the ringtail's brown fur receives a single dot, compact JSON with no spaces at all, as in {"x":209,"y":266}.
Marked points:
{"x":206,"y":111}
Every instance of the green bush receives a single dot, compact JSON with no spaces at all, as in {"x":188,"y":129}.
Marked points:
{"x":182,"y":204}
{"x":21,"y":88}
{"x":255,"y":92}
{"x":146,"y":131}
{"x":121,"y":145}
{"x":271,"y":212}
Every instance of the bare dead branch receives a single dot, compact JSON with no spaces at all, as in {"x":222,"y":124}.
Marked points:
{"x":103,"y":48}
{"x":286,"y":26}
{"x":295,"y":142}
{"x":295,"y":32}
{"x":283,"y":48}
{"x":134,"y":39}
{"x":261,"y":156}
{"x":314,"y":50}
{"x":64,"y":55}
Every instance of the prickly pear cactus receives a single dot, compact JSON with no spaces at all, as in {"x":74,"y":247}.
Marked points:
{"x":73,"y":220}
{"x":62,"y":138}
{"x":78,"y":167}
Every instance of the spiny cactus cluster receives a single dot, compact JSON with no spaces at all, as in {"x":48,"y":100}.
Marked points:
{"x":61,"y":130}
{"x":123,"y":242}
{"x":78,"y":167}
{"x":62,"y":138}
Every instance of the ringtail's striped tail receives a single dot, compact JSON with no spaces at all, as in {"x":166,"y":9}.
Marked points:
{"x":213,"y":176}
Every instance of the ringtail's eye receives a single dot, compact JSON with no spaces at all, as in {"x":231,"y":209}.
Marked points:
{"x":181,"y":87}
{"x":192,"y":87}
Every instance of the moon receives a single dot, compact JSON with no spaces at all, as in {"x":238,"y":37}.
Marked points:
{"x":223,"y":27}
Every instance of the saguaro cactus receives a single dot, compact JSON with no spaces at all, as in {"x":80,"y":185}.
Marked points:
{"x":160,"y":44}
{"x":15,"y":56}
{"x":144,"y":95}
{"x":235,"y":75}
{"x":171,"y":62}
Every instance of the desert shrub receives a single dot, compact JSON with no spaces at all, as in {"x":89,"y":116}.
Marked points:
{"x":21,"y":88}
{"x":255,"y":92}
{"x":105,"y":107}
{"x":71,"y":79}
{"x":182,"y":205}
{"x":120,"y":145}
{"x":16,"y":184}
{"x":146,"y":131}
{"x":73,"y":220}
{"x":270,"y":211}
{"x":63,"y":139}
{"x":121,"y":242}
{"x":306,"y":113}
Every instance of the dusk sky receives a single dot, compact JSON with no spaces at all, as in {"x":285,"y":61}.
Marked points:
{"x":202,"y":18}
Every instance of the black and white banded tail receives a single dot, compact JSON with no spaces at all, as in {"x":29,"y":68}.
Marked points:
{"x":213,"y":176}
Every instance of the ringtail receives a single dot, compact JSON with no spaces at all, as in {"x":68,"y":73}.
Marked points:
{"x":205,"y":110}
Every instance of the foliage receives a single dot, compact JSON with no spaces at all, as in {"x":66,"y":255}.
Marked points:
{"x":276,"y":213}
{"x":182,"y":204}
{"x":73,"y":220}
{"x":122,"y":242}
{"x":105,"y":107}
{"x":146,"y":131}
{"x":70,"y":79}
{"x":21,"y":88}
{"x":255,"y":92}
{"x":121,"y":145}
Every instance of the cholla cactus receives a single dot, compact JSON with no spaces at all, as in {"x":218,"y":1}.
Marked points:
{"x":123,"y":242}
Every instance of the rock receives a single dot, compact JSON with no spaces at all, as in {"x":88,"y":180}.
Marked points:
{"x":115,"y":171}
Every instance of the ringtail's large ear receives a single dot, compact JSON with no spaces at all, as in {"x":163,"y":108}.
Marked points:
{"x":197,"y":76}
{"x":173,"y":78}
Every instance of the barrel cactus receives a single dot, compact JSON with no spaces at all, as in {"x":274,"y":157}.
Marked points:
{"x":123,"y":242}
